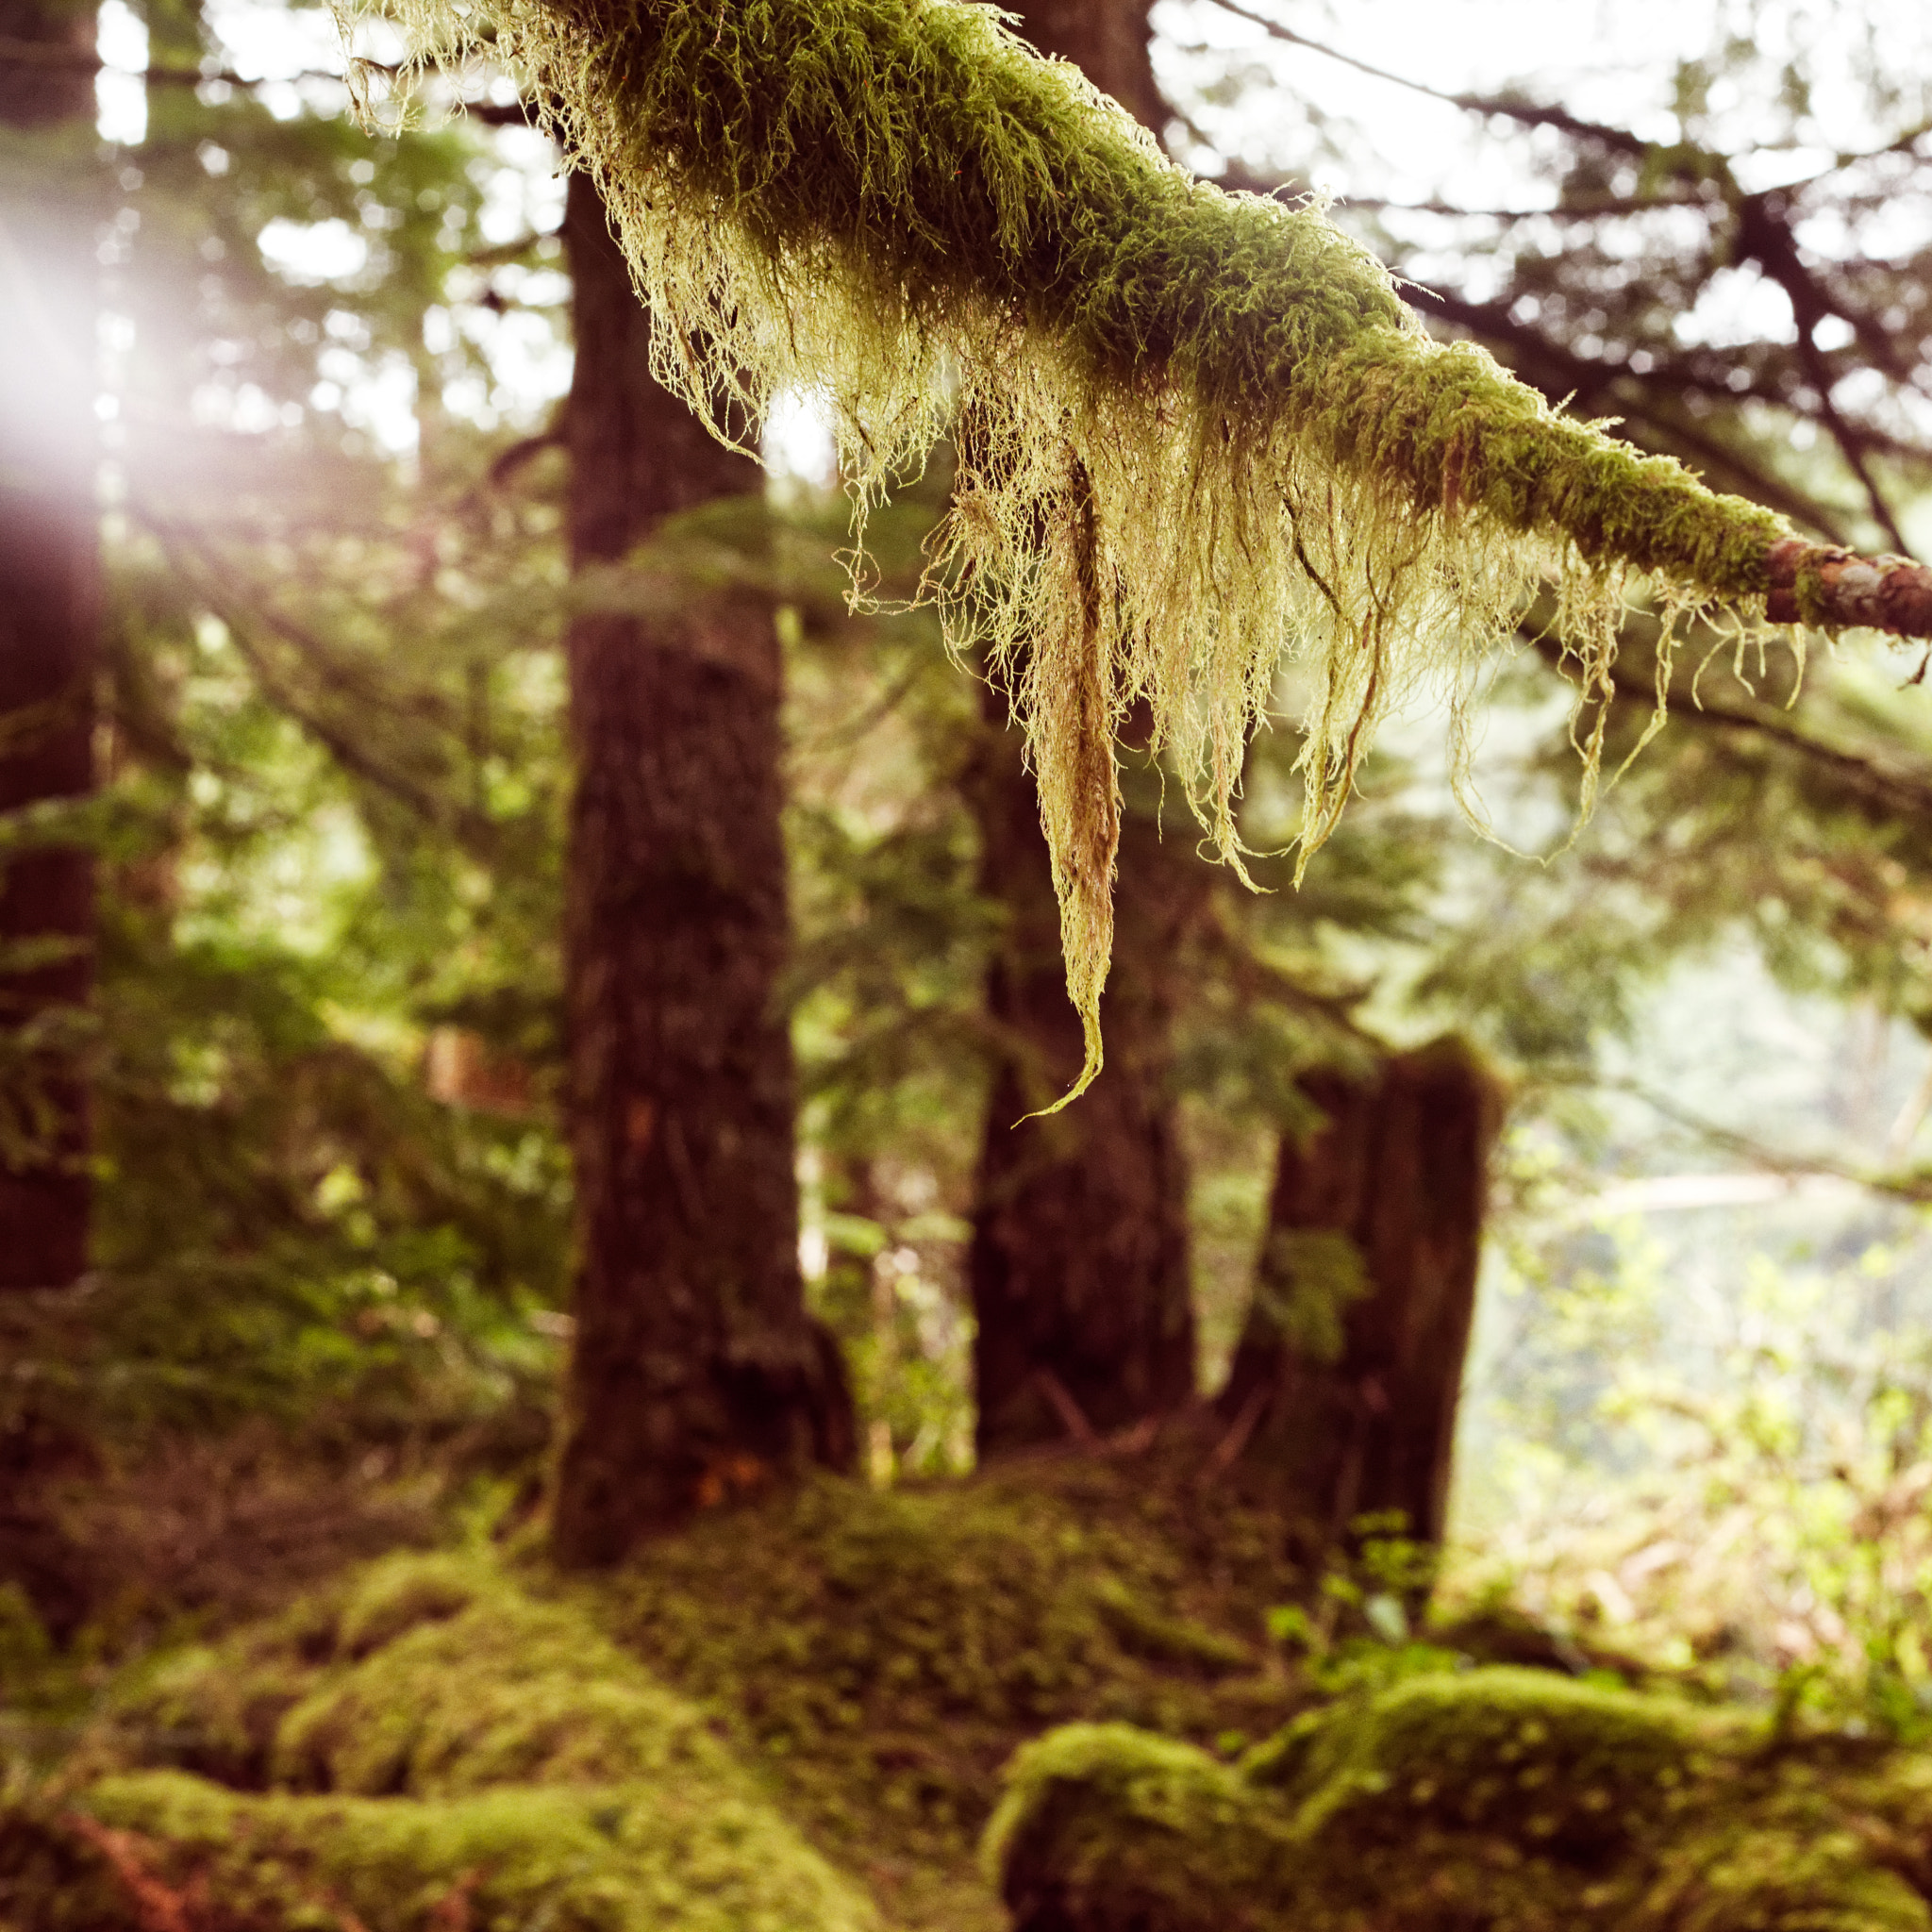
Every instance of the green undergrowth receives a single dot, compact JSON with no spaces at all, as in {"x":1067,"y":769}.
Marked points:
{"x":431,"y":1742}
{"x":1489,"y":1800}
{"x":798,"y":1707}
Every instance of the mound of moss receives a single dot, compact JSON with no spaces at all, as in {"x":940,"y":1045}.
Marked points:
{"x":886,"y":1652}
{"x":430,"y":1744}
{"x":1496,"y":1800}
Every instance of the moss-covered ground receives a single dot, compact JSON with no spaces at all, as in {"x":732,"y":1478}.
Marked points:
{"x":1506,"y":1799}
{"x":805,"y":1713}
{"x":432,"y":1742}
{"x":797,"y":1714}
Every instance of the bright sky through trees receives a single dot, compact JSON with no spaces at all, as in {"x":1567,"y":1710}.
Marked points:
{"x":1605,"y":61}
{"x":1366,"y":140}
{"x":1355,"y":136}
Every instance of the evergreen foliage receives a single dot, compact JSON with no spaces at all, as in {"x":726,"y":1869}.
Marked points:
{"x":315,"y":848}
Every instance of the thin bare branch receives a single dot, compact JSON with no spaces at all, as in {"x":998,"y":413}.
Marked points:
{"x":1838,"y":590}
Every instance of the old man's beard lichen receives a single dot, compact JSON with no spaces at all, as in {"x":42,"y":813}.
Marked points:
{"x":1196,"y":430}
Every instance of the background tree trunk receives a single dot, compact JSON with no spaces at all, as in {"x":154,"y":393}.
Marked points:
{"x":695,"y":1374}
{"x":1345,"y":1384}
{"x":49,"y":620}
{"x":1079,"y":1262}
{"x":1110,"y":40}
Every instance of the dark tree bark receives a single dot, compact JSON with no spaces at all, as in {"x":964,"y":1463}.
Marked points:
{"x":695,"y":1374}
{"x":49,"y":622}
{"x":1079,"y":1262}
{"x":1110,"y":40}
{"x":1344,"y":1388}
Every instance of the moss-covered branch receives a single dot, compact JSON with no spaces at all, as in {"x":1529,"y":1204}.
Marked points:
{"x":1197,"y":430}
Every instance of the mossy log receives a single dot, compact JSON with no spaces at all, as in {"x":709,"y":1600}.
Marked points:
{"x":1485,"y":1801}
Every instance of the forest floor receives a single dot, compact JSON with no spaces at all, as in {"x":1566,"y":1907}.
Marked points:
{"x":808,"y":1708}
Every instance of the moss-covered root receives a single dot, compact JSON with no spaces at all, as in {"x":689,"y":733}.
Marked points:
{"x":166,"y":1849}
{"x":426,"y":1675}
{"x":431,"y":1732}
{"x":1493,"y":1801}
{"x":1107,"y":1828}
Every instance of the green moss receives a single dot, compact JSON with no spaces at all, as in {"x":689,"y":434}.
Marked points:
{"x":217,"y":1711}
{"x":25,"y":1648}
{"x":506,"y":1692}
{"x":877,"y":1657}
{"x":1512,"y":1801}
{"x":1148,"y":1632}
{"x":1107,"y":1825}
{"x":1813,"y":601}
{"x":404,"y":1591}
{"x":1553,"y":1762}
{"x":678,"y":1855}
{"x":1790,"y":1880}
{"x":888,"y":1651}
{"x":430,"y":1676}
{"x":434,"y":1724}
{"x":803,"y":1702}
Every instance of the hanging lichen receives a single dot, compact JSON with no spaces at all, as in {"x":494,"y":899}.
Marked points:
{"x":1196,"y":430}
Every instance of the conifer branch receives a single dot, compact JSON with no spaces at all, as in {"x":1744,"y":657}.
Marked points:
{"x":899,"y":133}
{"x":240,"y":616}
{"x":1903,"y":1184}
{"x":1874,"y":779}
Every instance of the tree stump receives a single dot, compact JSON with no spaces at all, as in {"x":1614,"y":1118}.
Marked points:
{"x":1344,"y":1388}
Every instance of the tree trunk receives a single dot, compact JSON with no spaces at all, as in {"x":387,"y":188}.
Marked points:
{"x":1110,"y":42}
{"x":695,"y":1375}
{"x":1345,"y":1384}
{"x":49,"y":619}
{"x":1079,"y":1262}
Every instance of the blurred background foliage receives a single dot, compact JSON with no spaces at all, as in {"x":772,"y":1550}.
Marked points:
{"x":334,"y":1198}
